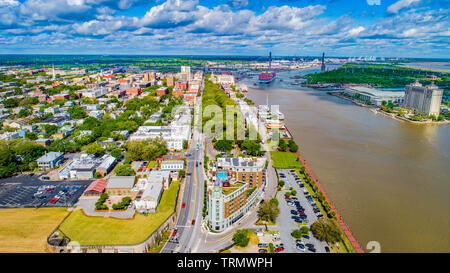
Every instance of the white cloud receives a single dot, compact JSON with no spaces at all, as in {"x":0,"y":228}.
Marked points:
{"x":356,"y":31}
{"x":4,"y":3}
{"x":238,"y":4}
{"x":399,"y":5}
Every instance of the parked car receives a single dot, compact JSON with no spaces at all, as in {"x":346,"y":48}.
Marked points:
{"x":305,"y":236}
{"x":294,"y":212}
{"x":301,"y":247}
{"x":53,"y":200}
{"x":174,"y":232}
{"x":262,"y":245}
{"x":193,"y":222}
{"x":262,"y":250}
{"x":183,"y":205}
{"x":49,"y":189}
{"x":38,"y":193}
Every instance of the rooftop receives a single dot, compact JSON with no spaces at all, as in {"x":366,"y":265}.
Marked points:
{"x":122,"y":182}
{"x":50,"y":156}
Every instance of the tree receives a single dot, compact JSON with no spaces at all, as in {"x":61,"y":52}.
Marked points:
{"x":124,"y":170}
{"x":7,"y":161}
{"x":253,"y":148}
{"x":31,"y":135}
{"x":93,"y":148}
{"x":117,"y":153}
{"x":10,"y":103}
{"x":23,"y":113}
{"x":185,"y":144}
{"x":223,"y":145}
{"x":148,"y":149}
{"x":274,"y":201}
{"x":282,"y":146}
{"x":76,"y":112}
{"x":293,"y":147}
{"x":327,"y":230}
{"x":268,"y":211}
{"x":241,"y":237}
{"x":297,"y":234}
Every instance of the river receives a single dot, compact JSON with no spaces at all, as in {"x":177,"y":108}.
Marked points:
{"x":389,"y":180}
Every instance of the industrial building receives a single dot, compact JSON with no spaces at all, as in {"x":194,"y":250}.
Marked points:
{"x":376,"y":97}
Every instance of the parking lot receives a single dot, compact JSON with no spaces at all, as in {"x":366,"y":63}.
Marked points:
{"x":295,"y":213}
{"x":25,"y":191}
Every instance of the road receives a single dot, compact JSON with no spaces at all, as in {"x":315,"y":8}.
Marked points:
{"x":192,"y":197}
{"x":195,"y":238}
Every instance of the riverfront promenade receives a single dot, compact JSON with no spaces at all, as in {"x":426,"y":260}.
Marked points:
{"x":341,"y":222}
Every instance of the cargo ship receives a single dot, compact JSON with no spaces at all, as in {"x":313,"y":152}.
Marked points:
{"x":268,"y":76}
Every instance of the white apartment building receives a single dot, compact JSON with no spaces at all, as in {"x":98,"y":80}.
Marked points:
{"x":174,"y":135}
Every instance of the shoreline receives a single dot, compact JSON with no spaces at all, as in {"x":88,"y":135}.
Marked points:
{"x":391,"y":115}
{"x":344,"y":227}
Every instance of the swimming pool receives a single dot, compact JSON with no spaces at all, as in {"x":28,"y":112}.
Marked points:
{"x":222,"y":175}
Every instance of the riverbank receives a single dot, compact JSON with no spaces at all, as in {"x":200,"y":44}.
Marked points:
{"x":345,"y":229}
{"x":391,"y":115}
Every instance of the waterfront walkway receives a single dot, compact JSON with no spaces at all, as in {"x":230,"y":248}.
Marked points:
{"x":341,"y":222}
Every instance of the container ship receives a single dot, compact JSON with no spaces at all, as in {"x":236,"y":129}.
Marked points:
{"x":268,"y":76}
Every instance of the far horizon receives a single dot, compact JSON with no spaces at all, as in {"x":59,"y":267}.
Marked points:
{"x":437,"y":59}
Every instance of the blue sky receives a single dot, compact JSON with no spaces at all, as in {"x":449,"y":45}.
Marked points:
{"x":402,"y":28}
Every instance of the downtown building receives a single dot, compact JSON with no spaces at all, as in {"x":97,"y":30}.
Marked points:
{"x":425,"y":99}
{"x":237,"y":185}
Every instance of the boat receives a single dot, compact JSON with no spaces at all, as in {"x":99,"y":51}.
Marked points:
{"x":266,"y":77}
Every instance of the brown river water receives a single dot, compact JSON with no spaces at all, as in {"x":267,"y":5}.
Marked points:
{"x":389,"y":180}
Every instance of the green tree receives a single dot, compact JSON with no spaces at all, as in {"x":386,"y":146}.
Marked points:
{"x":124,"y":170}
{"x":327,"y":230}
{"x":23,"y":113}
{"x":268,"y":211}
{"x":117,"y":153}
{"x":282,"y":146}
{"x":274,"y":201}
{"x":293,"y":147}
{"x":252,"y":147}
{"x":241,"y":237}
{"x":93,"y":148}
{"x":297,"y":234}
{"x":76,"y":112}
{"x":224,"y":145}
{"x":148,"y":149}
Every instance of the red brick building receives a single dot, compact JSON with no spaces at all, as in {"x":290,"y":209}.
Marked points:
{"x":133,"y":92}
{"x":161,"y":91}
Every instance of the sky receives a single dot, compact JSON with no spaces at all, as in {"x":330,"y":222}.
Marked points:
{"x":352,"y":28}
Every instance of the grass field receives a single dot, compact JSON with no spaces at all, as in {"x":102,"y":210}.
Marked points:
{"x":109,"y":231}
{"x":285,"y":160}
{"x":26,"y":230}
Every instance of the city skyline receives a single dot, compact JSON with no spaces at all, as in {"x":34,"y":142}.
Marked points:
{"x":405,"y":28}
